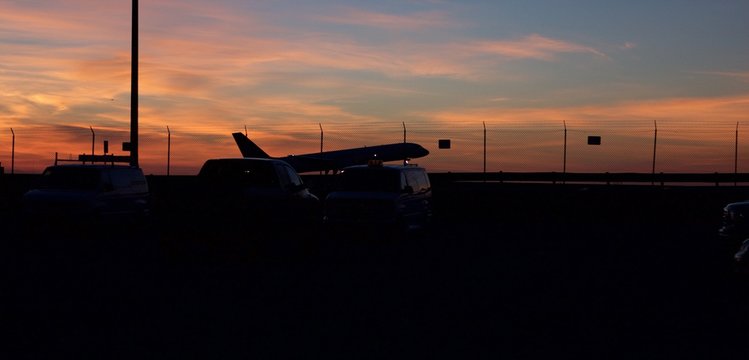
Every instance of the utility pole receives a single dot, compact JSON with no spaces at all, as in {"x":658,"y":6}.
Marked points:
{"x":134,"y":89}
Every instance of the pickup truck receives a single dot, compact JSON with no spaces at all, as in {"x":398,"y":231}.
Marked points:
{"x":257,"y":191}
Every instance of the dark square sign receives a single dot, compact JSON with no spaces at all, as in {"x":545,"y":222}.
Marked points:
{"x":443,"y":143}
{"x":594,"y":140}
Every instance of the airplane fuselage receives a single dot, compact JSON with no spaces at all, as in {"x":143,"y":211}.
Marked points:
{"x":338,"y":159}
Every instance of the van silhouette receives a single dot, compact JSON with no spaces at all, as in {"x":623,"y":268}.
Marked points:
{"x":375,"y":194}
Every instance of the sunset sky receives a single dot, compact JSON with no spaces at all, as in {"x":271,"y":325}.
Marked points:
{"x":363,"y":68}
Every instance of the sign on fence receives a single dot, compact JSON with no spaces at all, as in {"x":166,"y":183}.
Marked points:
{"x":594,"y":140}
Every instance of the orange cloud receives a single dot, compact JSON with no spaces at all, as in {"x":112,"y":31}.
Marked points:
{"x":66,"y":24}
{"x":533,"y":46}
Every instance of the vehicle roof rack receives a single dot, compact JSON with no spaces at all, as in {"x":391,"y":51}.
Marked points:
{"x":110,"y":159}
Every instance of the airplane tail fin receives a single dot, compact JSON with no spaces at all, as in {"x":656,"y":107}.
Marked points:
{"x":247,"y":147}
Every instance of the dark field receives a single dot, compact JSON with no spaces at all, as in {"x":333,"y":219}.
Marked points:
{"x":507,"y":271}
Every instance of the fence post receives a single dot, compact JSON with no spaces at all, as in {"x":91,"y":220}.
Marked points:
{"x":168,"y":150}
{"x":736,"y":156}
{"x":655,"y":142}
{"x":13,"y":152}
{"x":405,"y":161}
{"x":93,"y":143}
{"x":564,"y":160}
{"x":484,"y":151}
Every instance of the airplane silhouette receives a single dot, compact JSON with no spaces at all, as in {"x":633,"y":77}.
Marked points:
{"x":338,"y":159}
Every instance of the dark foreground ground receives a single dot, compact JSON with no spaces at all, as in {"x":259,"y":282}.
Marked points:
{"x":507,"y":271}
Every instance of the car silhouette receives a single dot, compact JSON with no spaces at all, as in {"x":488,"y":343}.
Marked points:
{"x":735,"y":223}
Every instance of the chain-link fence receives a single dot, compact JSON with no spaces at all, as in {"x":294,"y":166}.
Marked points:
{"x":636,"y":146}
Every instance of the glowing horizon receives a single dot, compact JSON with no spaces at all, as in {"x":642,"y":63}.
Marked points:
{"x":208,"y":69}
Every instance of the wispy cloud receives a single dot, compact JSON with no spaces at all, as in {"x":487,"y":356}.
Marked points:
{"x":65,"y":24}
{"x":737,"y":75}
{"x":702,"y":111}
{"x":387,"y":21}
{"x":628,"y":45}
{"x":532,"y":46}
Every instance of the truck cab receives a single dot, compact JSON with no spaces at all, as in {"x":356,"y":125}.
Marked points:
{"x":257,"y":189}
{"x":76,"y":192}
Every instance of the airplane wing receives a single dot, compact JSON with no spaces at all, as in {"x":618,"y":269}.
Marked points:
{"x":306,"y":163}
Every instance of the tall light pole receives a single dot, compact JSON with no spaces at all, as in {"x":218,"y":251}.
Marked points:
{"x":134,"y":89}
